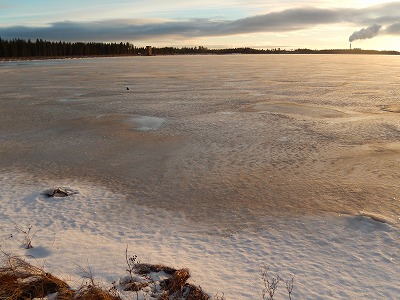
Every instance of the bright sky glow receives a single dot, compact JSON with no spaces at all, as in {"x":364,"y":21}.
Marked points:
{"x":287,"y":24}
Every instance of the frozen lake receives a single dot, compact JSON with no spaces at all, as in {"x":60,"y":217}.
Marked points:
{"x":236,"y":159}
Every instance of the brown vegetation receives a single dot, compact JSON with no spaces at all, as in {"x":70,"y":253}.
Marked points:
{"x":174,"y":287}
{"x":20,"y":280}
{"x":93,"y":292}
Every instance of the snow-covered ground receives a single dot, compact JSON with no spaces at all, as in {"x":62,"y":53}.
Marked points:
{"x":332,"y":256}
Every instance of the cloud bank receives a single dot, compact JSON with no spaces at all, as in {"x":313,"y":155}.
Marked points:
{"x":393,"y":29}
{"x":282,"y":21}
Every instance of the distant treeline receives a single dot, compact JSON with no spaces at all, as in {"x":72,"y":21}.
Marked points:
{"x":19,"y":48}
{"x":39,"y":48}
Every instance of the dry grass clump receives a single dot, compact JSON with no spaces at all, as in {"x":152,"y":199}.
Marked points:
{"x":135,"y":286}
{"x":92,"y":292}
{"x":144,"y":269}
{"x":176,"y":282}
{"x":192,"y":292}
{"x":177,"y":287}
{"x":20,"y":280}
{"x":162,"y":282}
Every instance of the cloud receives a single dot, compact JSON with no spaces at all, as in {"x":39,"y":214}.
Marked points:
{"x":393,"y":29}
{"x":380,"y":14}
{"x":287,"y":20}
{"x":282,"y":21}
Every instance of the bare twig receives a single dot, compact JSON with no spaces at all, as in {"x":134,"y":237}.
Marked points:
{"x":131,"y":263}
{"x":270,"y":285}
{"x":28,"y":236}
{"x":289,"y":286}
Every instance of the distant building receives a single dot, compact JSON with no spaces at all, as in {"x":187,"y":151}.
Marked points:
{"x":149,"y":50}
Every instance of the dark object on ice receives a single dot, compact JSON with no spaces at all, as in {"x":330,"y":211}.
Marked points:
{"x":127,"y":88}
{"x":59,"y":192}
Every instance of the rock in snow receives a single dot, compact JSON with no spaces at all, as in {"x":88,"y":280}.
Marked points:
{"x":59,"y":192}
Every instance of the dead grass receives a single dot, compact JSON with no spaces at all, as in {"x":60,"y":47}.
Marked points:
{"x":20,"y":280}
{"x":135,"y":286}
{"x":174,"y":287}
{"x":144,"y":269}
{"x":176,"y":282}
{"x":177,"y":287}
{"x":91,"y":292}
{"x":195,"y":293}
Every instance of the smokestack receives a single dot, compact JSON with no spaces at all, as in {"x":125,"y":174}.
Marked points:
{"x":149,"y":50}
{"x":350,"y":46}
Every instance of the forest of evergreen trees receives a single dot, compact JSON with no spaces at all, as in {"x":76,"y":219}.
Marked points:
{"x":18,"y":49}
{"x":39,"y":48}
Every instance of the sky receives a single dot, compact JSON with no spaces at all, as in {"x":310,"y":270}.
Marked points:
{"x":288,"y":24}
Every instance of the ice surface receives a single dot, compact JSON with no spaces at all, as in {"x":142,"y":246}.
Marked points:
{"x":147,"y":123}
{"x":284,"y":161}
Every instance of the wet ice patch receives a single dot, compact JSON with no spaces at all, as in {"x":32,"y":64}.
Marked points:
{"x":75,"y":98}
{"x":69,"y":100}
{"x":313,"y":111}
{"x":147,"y":123}
{"x":227,"y":112}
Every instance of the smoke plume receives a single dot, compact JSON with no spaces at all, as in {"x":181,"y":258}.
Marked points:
{"x":366,"y":33}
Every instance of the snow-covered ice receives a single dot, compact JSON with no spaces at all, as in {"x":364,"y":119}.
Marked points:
{"x":224,"y":165}
{"x":331,"y":256}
